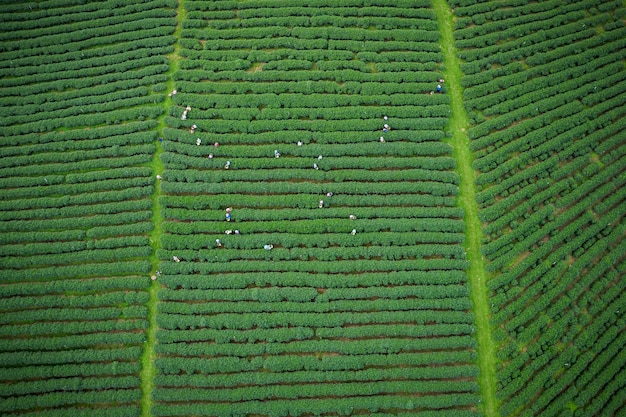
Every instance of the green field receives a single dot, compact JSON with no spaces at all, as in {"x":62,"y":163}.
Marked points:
{"x":325,"y":208}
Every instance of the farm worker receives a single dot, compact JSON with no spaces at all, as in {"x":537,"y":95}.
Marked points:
{"x":276,"y":154}
{"x":386,"y":126}
{"x":198,"y":141}
{"x":227,"y":217}
{"x":329,"y":194}
{"x":229,"y":209}
{"x":161,"y":140}
{"x":353,"y":232}
{"x":183,"y":117}
{"x":153,"y":277}
{"x":384,"y":130}
{"x":439,"y":88}
{"x":188,"y":108}
{"x":227,"y":165}
{"x":352,"y":217}
{"x":176,"y":259}
{"x":268,"y":247}
{"x":299,"y":143}
{"x":321,"y":203}
{"x":210,"y":156}
{"x":441,"y":80}
{"x":382,"y":140}
{"x":236,"y":231}
{"x":217,"y":144}
{"x":218,"y":243}
{"x":159,"y":177}
{"x":315,"y":166}
{"x":385,"y":118}
{"x":319,"y":158}
{"x":158,"y":273}
{"x":228,"y":232}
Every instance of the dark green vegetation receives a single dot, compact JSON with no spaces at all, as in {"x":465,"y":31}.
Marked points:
{"x":326,"y":321}
{"x":80,"y":88}
{"x":380,"y":322}
{"x":545,"y":88}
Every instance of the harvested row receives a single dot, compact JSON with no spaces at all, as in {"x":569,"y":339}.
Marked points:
{"x":311,"y":254}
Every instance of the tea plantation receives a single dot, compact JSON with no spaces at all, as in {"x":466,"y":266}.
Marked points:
{"x":323,"y":208}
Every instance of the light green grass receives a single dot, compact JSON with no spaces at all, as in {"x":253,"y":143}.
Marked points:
{"x":148,"y":370}
{"x":467,"y":200}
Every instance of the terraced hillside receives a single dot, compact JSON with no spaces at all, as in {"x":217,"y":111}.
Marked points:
{"x":545,"y":87}
{"x":309,"y":207}
{"x":78,"y":98}
{"x":361,"y":304}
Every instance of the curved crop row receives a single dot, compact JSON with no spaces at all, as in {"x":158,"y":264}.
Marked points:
{"x":548,"y":109}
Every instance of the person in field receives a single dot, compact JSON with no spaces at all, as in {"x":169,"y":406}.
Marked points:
{"x":228,"y":232}
{"x":159,"y":177}
{"x":382,"y":139}
{"x":439,"y":88}
{"x":198,"y":141}
{"x":227,"y":166}
{"x":321,"y":205}
{"x":353,"y":232}
{"x":268,"y":247}
{"x":276,"y":154}
{"x":227,"y":217}
{"x":176,"y":259}
{"x":315,"y":166}
{"x":352,"y":217}
{"x":329,"y":194}
{"x":218,"y":243}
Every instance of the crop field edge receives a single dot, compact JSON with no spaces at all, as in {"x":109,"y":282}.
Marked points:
{"x":477,"y":274}
{"x":148,"y":369}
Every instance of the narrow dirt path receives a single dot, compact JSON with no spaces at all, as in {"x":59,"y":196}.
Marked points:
{"x":148,"y":370}
{"x":467,"y":200}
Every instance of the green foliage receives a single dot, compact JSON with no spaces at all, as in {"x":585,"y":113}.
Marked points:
{"x":78,"y":110}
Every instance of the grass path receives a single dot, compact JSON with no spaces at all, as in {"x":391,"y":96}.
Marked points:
{"x":148,"y":370}
{"x":467,"y":200}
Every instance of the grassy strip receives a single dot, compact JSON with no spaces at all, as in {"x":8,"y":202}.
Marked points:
{"x":148,"y":370}
{"x":467,"y":200}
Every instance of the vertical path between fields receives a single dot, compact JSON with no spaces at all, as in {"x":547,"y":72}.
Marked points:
{"x":148,"y":370}
{"x":467,"y":200}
